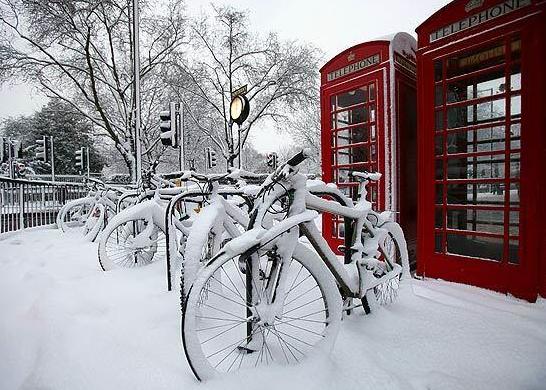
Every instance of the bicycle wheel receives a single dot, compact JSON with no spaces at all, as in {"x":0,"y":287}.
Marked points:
{"x":95,"y":222}
{"x":228,"y":323}
{"x":130,"y":243}
{"x":74,"y":214}
{"x":392,"y":246}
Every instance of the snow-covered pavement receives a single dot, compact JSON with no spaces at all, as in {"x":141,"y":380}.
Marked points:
{"x":65,"y":324}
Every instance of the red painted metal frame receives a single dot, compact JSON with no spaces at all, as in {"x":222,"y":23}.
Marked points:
{"x":528,"y":278}
{"x":349,"y":82}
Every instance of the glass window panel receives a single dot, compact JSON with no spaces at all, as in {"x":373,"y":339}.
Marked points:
{"x":343,"y":157}
{"x":438,"y":96}
{"x":372,"y":92}
{"x":373,"y":192}
{"x":481,"y":167}
{"x":439,"y":193}
{"x":487,"y":221}
{"x":513,"y":252}
{"x":459,"y":91}
{"x":439,"y":120}
{"x":332,"y":103}
{"x":352,"y":136}
{"x":438,"y":70}
{"x":439,"y":169}
{"x":372,"y":113}
{"x":439,"y":145}
{"x":343,"y":176}
{"x":350,"y":98}
{"x":479,"y":140}
{"x":353,"y":155}
{"x":490,"y":84}
{"x":515,"y":165}
{"x":334,"y":229}
{"x":341,"y":230}
{"x":492,"y":110}
{"x":514,"y":194}
{"x":373,"y":153}
{"x":515,"y":136}
{"x":474,"y":246}
{"x":484,"y":112}
{"x":515,"y":106}
{"x":482,"y":194}
{"x":438,"y":243}
{"x":483,"y":57}
{"x":352,"y":116}
{"x":439,"y":216}
{"x":372,"y":131}
{"x":361,"y":154}
{"x":513,"y":230}
{"x":459,"y":116}
{"x":333,"y":122}
{"x":515,"y":78}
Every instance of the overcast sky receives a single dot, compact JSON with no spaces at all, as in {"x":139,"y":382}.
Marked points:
{"x":330,"y":25}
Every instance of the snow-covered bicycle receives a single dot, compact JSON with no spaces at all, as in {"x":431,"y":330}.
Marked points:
{"x":91,"y":213}
{"x":223,"y":214}
{"x":274,"y":300}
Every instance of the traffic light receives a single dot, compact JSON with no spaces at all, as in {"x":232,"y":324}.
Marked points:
{"x":17,"y":149}
{"x":41,"y":149}
{"x":167,"y":125}
{"x":211,"y":157}
{"x":272,"y":160}
{"x":80,"y":158}
{"x":3,"y":150}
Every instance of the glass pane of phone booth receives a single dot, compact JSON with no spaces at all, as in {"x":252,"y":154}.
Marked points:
{"x":477,"y":152}
{"x":354,"y":141}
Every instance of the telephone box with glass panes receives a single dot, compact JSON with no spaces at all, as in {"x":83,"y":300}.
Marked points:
{"x":482,"y":144}
{"x":368,"y":123}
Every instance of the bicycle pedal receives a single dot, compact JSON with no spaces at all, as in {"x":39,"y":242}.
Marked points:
{"x":244,"y":349}
{"x":343,"y":249}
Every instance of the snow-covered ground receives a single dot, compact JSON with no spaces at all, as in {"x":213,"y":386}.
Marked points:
{"x":65,"y":324}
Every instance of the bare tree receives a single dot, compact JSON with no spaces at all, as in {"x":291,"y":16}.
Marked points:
{"x":281,"y":77}
{"x":304,"y":129}
{"x":80,"y":51}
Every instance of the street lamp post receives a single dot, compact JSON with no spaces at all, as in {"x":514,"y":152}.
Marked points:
{"x":238,"y":112}
{"x":136,"y":67}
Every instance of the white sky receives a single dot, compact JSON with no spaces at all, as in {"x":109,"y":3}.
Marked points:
{"x":330,"y":25}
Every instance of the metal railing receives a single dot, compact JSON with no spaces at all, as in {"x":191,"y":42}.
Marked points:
{"x":63,"y":178}
{"x":31,"y":203}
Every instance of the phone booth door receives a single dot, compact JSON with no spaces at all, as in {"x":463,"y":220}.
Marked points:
{"x":355,"y":132}
{"x":478,"y":144}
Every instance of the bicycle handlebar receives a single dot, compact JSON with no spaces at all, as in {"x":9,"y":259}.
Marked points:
{"x":299,"y":158}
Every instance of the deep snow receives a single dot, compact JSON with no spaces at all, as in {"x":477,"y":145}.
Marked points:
{"x":65,"y":324}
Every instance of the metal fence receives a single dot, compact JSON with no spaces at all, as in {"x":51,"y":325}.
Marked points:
{"x":30,"y":203}
{"x":63,"y":178}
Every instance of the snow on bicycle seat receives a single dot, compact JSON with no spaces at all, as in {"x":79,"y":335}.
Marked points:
{"x":373,"y":176}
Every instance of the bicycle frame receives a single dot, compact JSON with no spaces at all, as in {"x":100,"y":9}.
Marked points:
{"x":196,"y":195}
{"x":353,"y":214}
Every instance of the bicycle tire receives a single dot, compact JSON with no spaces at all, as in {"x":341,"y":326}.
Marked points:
{"x":201,"y":244}
{"x":324,"y":317}
{"x":81,"y":207}
{"x":395,"y":243}
{"x":112,"y":250}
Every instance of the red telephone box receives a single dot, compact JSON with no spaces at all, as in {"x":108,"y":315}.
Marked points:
{"x":481,"y":71}
{"x":368,"y":120}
